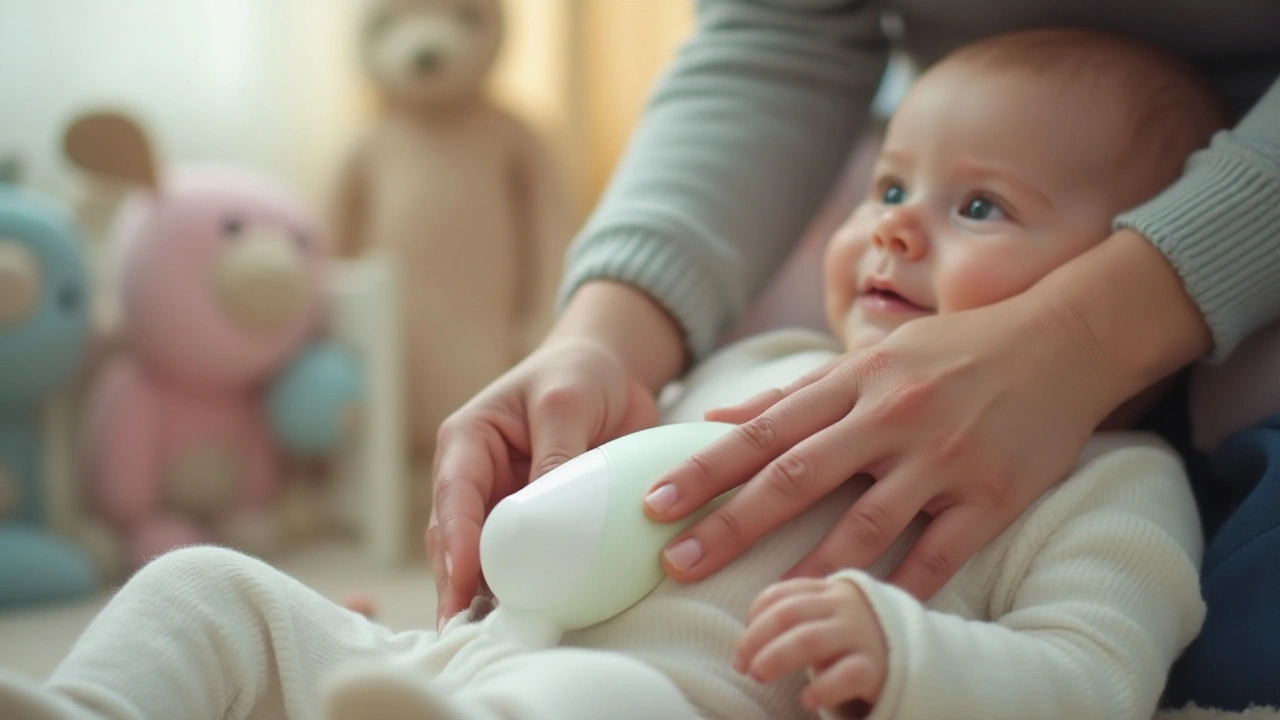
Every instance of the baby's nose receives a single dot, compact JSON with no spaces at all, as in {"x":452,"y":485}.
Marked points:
{"x":19,"y":283}
{"x":901,"y":231}
{"x":261,"y":281}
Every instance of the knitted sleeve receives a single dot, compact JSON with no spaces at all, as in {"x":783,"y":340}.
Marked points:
{"x":738,"y":146}
{"x":1220,"y":226}
{"x":1095,"y":598}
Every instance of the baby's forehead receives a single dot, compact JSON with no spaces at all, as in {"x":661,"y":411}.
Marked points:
{"x":1012,"y":114}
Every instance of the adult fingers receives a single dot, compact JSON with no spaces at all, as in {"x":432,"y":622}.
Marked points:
{"x":448,"y":601}
{"x":736,"y":457}
{"x":852,"y":677}
{"x":782,"y":490}
{"x":757,"y":404}
{"x":953,"y":536}
{"x":868,"y":528}
{"x":561,"y":424}
{"x":747,"y":409}
{"x":471,"y":461}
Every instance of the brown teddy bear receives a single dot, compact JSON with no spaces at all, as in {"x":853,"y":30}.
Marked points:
{"x":464,"y":197}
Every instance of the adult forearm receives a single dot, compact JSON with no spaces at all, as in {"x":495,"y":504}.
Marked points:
{"x":1127,"y":316}
{"x":740,"y":142}
{"x":631,"y":323}
{"x":1219,"y":226}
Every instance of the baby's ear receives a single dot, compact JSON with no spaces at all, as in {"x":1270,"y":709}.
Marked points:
{"x":113,"y":146}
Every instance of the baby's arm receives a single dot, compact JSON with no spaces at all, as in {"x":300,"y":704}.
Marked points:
{"x":1095,"y":597}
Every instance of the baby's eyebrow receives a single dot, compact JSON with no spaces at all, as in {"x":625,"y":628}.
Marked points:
{"x":897,"y":156}
{"x":1009,"y":177}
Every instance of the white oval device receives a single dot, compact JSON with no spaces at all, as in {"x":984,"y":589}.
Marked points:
{"x":575,"y":548}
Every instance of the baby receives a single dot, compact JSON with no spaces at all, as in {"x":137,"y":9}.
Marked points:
{"x":1005,"y":160}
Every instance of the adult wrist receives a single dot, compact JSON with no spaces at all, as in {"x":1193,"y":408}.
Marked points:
{"x":1126,"y":314}
{"x":630,"y":323}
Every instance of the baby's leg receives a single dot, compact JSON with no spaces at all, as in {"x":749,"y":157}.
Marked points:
{"x":556,"y":684}
{"x":205,"y":633}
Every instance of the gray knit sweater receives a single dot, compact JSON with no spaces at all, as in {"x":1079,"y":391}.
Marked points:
{"x":748,"y":130}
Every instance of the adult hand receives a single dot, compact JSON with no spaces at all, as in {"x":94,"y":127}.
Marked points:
{"x":967,"y":417}
{"x":956,"y":416}
{"x":565,"y":398}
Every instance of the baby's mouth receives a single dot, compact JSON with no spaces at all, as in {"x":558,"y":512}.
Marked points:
{"x":886,"y":300}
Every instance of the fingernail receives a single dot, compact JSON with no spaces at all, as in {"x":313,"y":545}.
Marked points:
{"x":684,"y":554}
{"x":448,"y":565}
{"x":662,"y":499}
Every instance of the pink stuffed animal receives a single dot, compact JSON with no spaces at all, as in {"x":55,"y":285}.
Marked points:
{"x":221,"y":276}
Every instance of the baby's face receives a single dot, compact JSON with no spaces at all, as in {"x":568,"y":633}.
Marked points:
{"x":986,"y":182}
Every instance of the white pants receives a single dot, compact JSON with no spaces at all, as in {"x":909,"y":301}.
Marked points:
{"x":210,"y":633}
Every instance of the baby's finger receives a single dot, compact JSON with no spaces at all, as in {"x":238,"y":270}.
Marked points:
{"x":805,"y":644}
{"x":782,"y":617}
{"x":851,"y":678}
{"x":780,"y":591}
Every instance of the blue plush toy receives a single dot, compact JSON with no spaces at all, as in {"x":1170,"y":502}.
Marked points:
{"x":44,"y":332}
{"x":314,"y":404}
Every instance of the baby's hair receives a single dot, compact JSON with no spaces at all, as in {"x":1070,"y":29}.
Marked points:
{"x":1173,"y":111}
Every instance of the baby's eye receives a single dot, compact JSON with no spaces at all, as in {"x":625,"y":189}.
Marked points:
{"x":893,"y":194}
{"x":982,"y":208}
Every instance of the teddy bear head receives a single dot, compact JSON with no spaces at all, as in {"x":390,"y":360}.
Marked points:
{"x":221,"y":270}
{"x":44,"y":297}
{"x":430,"y":53}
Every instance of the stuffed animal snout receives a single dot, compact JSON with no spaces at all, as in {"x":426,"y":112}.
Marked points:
{"x":430,"y":50}
{"x":261,"y":280}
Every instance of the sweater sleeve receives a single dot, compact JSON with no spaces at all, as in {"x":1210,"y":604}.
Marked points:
{"x":1088,"y":612}
{"x":1220,"y":226}
{"x":739,"y":145}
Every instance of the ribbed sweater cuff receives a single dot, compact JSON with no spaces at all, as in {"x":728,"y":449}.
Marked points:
{"x":663,"y":270}
{"x":1219,"y":225}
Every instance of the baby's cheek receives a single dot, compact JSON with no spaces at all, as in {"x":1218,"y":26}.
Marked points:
{"x":982,"y":279}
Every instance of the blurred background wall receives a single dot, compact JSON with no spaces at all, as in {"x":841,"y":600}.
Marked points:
{"x":275,"y":85}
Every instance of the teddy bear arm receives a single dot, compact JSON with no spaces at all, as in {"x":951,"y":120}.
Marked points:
{"x":122,"y":453}
{"x":546,"y":219}
{"x":350,"y":205}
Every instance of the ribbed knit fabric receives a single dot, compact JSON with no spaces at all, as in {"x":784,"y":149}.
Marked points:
{"x":1220,"y":226}
{"x":748,"y":130}
{"x":1075,"y":612}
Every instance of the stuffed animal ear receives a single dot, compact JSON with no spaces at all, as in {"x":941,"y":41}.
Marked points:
{"x":112,"y":146}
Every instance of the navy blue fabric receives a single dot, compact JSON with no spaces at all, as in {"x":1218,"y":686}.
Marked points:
{"x":1235,"y":662}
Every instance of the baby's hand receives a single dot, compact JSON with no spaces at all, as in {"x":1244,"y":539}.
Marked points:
{"x":826,"y":626}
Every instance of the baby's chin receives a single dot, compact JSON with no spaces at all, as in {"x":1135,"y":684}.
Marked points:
{"x":859,"y":335}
